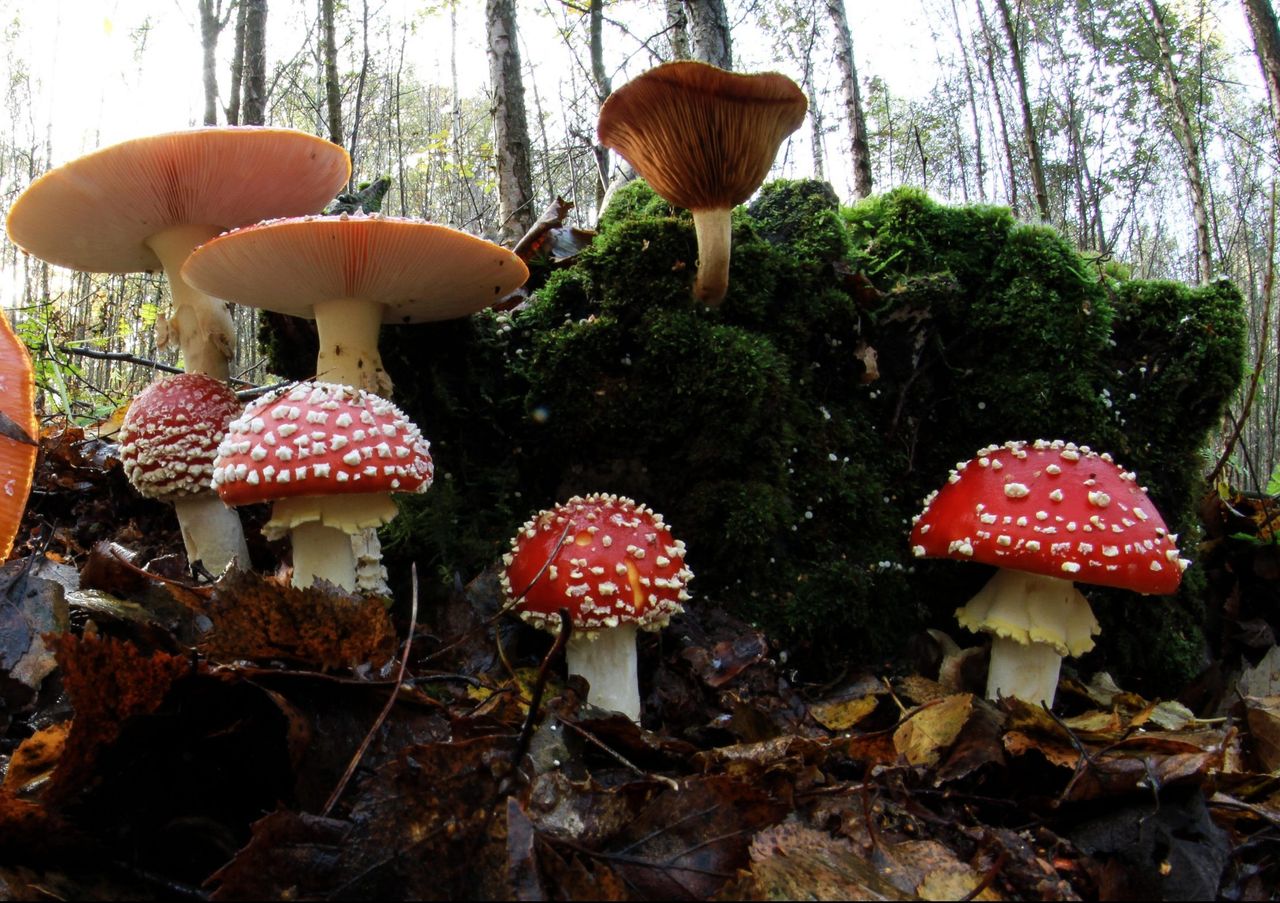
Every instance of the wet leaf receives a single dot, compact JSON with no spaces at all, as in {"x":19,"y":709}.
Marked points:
{"x":34,"y":760}
{"x":727,"y":659}
{"x":31,"y":607}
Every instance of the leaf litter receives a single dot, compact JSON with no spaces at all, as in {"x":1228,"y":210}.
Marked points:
{"x":166,"y":737}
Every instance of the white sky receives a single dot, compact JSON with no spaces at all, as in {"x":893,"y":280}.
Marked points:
{"x":103,"y":80}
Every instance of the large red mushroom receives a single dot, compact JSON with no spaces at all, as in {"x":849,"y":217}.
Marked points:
{"x":1048,"y":515}
{"x":616,"y":567}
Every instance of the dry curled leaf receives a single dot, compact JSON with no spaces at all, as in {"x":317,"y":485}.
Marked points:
{"x":256,"y":617}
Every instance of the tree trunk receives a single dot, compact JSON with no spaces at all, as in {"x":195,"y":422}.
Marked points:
{"x":511,"y":130}
{"x":859,"y":150}
{"x":1266,"y":43}
{"x":1185,"y":134}
{"x":212,"y":21}
{"x":990,"y":61}
{"x":979,"y":162}
{"x":237,"y":67}
{"x":603,"y":87}
{"x":254,"y":104}
{"x":709,"y":24}
{"x":678,"y":30}
{"x":332,"y":87}
{"x":357,"y":116}
{"x":1028,"y":121}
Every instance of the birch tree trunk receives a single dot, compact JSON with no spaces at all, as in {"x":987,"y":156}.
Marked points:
{"x":511,"y":130}
{"x":1185,"y":134}
{"x":1266,"y":43}
{"x":989,"y":61}
{"x":709,"y":26}
{"x":1028,"y":121}
{"x":859,"y":150}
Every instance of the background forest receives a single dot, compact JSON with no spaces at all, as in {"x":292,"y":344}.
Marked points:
{"x":1143,"y":131}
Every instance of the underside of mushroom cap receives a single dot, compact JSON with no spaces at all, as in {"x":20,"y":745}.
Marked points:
{"x":1032,"y":608}
{"x":702,"y":137}
{"x":95,"y":213}
{"x":416,"y":271}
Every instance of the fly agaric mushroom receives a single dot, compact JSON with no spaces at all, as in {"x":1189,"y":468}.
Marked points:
{"x":1045,"y":514}
{"x":351,"y":273}
{"x":168,"y":441}
{"x":18,"y":429}
{"x":615,"y":566}
{"x":329,"y":456}
{"x":144,"y":204}
{"x":704,"y":139}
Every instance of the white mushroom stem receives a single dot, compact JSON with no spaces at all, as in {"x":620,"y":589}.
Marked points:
{"x":348,"y":329}
{"x":607,"y":659}
{"x":211,"y":532}
{"x":714,"y":229}
{"x":320,"y":529}
{"x":1034,"y":620}
{"x":323,"y":552}
{"x":201,"y":325}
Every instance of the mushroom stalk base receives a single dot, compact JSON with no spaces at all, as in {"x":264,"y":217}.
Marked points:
{"x":714,"y":229}
{"x":609,"y":663}
{"x":211,"y":532}
{"x":322,"y":552}
{"x":201,"y":325}
{"x":1028,"y":671}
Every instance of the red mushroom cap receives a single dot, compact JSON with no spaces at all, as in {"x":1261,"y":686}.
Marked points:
{"x":315,"y":439}
{"x":1051,"y":508}
{"x":618,"y":562}
{"x":171,"y":433}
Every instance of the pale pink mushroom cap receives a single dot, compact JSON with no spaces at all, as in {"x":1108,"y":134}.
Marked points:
{"x":96,"y":213}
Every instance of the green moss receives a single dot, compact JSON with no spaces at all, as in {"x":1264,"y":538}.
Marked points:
{"x":755,"y":428}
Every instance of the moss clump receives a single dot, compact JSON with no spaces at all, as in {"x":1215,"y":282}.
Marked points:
{"x":765,"y":432}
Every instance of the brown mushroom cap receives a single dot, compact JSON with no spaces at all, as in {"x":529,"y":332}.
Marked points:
{"x":417,"y":271}
{"x":700,"y":136}
{"x":96,"y":212}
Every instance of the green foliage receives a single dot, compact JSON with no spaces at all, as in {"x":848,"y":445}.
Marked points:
{"x":753,"y":427}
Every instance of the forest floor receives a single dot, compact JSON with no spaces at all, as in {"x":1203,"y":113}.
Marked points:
{"x":172,"y":739}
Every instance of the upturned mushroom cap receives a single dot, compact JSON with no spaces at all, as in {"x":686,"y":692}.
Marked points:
{"x":618,"y":563}
{"x":416,"y":271}
{"x":171,"y":433}
{"x":700,"y":136}
{"x":1051,"y":508}
{"x":320,"y":439}
{"x":97,"y":212}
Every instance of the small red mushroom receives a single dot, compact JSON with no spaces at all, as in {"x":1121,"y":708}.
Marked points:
{"x":616,"y":567}
{"x":329,"y":456}
{"x":1046,"y":514}
{"x":168,"y":441}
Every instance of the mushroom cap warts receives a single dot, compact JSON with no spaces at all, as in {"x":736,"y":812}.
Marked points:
{"x":617,"y":563}
{"x":1051,"y":508}
{"x":171,"y":432}
{"x":320,"y":439}
{"x":702,"y":137}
